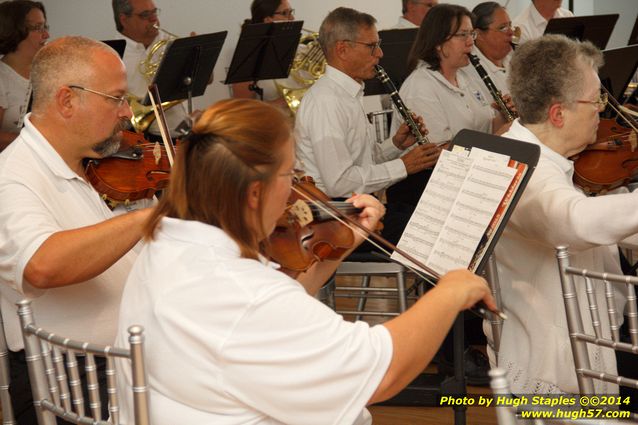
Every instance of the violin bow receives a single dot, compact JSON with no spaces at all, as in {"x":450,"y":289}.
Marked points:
{"x":617,"y":107}
{"x":156,"y":101}
{"x":378,"y":240}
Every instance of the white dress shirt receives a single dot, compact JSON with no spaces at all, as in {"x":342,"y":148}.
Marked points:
{"x":532,"y":24}
{"x":535,"y":348}
{"x":134,"y":54}
{"x":446,"y":109}
{"x":14,"y":98}
{"x":404,"y":23}
{"x":335,"y":140}
{"x":234,"y":341}
{"x":40,"y":195}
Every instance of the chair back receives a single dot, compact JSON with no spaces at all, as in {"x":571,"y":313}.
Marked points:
{"x":580,"y":337}
{"x":56,"y":385}
{"x":5,"y":379}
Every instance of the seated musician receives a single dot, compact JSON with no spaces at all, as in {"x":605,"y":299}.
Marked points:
{"x":534,"y":18}
{"x":233,"y":340}
{"x":61,"y":245}
{"x":267,"y":11}
{"x":335,"y":141}
{"x":440,"y":89}
{"x":138,"y":22}
{"x":558,"y":111}
{"x":493,"y":46}
{"x":23,"y":31}
{"x":414,"y":11}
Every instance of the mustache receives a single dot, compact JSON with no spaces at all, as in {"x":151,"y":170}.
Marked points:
{"x":111,"y":144}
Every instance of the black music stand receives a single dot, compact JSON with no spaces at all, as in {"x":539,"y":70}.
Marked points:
{"x":396,"y":45}
{"x":618,"y":70}
{"x":264,"y":52}
{"x":633,"y":38}
{"x":118,"y":45}
{"x":186,"y":67}
{"x":597,"y":28}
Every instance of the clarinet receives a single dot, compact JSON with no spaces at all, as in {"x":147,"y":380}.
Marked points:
{"x":398,"y":103}
{"x":496,"y":94}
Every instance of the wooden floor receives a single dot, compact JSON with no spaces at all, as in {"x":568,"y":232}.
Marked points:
{"x":394,"y":415}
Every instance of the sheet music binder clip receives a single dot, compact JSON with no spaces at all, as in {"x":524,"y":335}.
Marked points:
{"x":187,"y":65}
{"x":264,"y":52}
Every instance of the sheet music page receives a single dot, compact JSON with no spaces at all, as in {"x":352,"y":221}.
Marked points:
{"x":487,"y":181}
{"x":435,"y":204}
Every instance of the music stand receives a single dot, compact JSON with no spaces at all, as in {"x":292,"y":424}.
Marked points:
{"x":633,"y":38}
{"x":596,"y":29}
{"x":118,"y":45}
{"x":264,"y":52}
{"x":187,"y":65}
{"x":396,"y":45}
{"x":620,"y":66}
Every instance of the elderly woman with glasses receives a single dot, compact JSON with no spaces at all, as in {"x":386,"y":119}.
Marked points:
{"x":493,"y":45}
{"x":23,"y":31}
{"x":265,"y":12}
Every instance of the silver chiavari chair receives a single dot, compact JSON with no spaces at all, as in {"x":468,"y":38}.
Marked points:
{"x":5,"y":379}
{"x":580,"y":338}
{"x":56,"y":385}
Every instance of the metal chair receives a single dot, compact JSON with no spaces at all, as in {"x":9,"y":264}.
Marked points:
{"x":580,"y":338}
{"x":367,"y":266}
{"x":56,"y":387}
{"x":5,"y":379}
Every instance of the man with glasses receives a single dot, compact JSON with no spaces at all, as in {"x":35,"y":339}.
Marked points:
{"x":559,"y":112}
{"x":61,"y":245}
{"x":334,"y":138}
{"x":492,"y":45}
{"x":534,"y":18}
{"x":138,"y":22}
{"x":414,"y":12}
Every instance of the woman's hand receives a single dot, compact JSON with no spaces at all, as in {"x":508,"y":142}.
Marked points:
{"x":372,"y":212}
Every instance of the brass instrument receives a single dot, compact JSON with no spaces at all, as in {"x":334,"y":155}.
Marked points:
{"x":509,"y":114}
{"x":307,"y":67}
{"x":143,"y":115}
{"x":516,"y":37}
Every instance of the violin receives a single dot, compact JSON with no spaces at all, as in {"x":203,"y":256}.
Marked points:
{"x":612,"y":161}
{"x":137,"y":171}
{"x":305,"y":233}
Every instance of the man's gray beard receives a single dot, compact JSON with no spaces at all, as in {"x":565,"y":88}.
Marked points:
{"x":111,"y":145}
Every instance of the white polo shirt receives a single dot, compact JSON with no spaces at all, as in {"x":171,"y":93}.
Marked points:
{"x":234,"y":341}
{"x":40,"y":195}
{"x":446,"y":109}
{"x":14,"y":98}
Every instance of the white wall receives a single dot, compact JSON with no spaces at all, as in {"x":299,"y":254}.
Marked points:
{"x":94,"y":18}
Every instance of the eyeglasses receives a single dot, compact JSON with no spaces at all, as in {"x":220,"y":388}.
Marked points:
{"x":147,"y":14}
{"x":503,"y":28}
{"x":372,"y":46}
{"x":38,"y":28}
{"x":119,"y":101}
{"x":295,"y":174}
{"x":286,"y":12}
{"x":466,"y":34}
{"x":601,"y":103}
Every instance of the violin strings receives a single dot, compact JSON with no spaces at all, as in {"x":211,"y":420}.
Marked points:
{"x":615,"y":105}
{"x":363,"y":234}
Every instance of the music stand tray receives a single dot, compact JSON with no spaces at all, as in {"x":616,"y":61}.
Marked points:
{"x":597,"y":28}
{"x":396,"y":48}
{"x":187,"y":65}
{"x":264,"y":52}
{"x":618,"y":70}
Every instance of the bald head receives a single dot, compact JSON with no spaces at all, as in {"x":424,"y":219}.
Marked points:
{"x":67,"y":60}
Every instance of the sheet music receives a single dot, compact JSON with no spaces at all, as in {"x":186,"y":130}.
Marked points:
{"x":456,"y":208}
